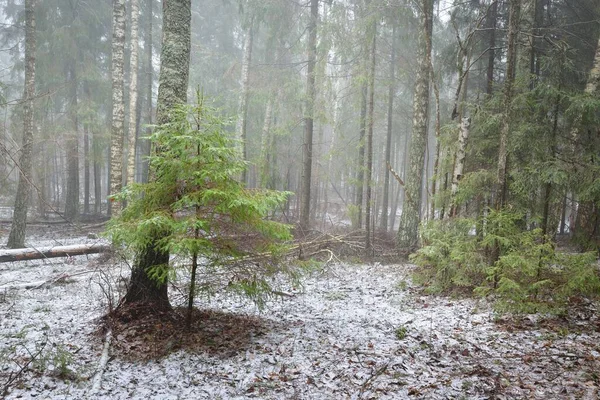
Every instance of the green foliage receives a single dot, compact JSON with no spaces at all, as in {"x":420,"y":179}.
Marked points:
{"x":200,"y":210}
{"x":449,"y":257}
{"x":530,"y":275}
{"x":401,"y":332}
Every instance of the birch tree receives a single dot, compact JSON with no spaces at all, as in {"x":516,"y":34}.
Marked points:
{"x":118,"y":105}
{"x":133,"y":92}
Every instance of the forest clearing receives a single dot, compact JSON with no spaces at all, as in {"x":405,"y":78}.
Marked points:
{"x":348,"y":332}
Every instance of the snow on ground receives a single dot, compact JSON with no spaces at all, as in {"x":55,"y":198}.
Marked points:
{"x":351,"y":332}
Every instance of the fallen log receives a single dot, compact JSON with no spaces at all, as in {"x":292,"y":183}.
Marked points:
{"x":51,"y":252}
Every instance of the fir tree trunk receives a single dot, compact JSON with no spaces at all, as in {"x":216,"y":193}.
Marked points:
{"x":242,"y":120}
{"x":16,"y":238}
{"x":369,"y":168}
{"x":133,"y":93}
{"x":513,"y":31}
{"x":587,"y":222}
{"x":307,"y":156}
{"x":118,"y":106}
{"x":491,"y":25}
{"x":72,"y":196}
{"x":388,"y":142}
{"x":86,"y":168}
{"x":145,"y":143}
{"x":407,"y":239}
{"x":264,"y":175}
{"x":360,"y":173}
{"x":172,"y":90}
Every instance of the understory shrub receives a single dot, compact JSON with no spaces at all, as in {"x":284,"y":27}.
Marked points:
{"x":520,"y":268}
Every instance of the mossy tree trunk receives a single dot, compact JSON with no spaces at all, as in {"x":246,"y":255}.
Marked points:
{"x":407,"y":239}
{"x":172,"y":90}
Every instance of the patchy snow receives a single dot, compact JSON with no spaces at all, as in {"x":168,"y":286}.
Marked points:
{"x":351,"y":332}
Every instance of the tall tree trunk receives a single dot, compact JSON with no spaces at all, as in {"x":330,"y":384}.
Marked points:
{"x":305,"y":200}
{"x":587,"y":221}
{"x":264,"y":174}
{"x":407,"y":239}
{"x":390,"y":129}
{"x":72,"y":196}
{"x":369,"y":168}
{"x":513,"y":31}
{"x":491,"y":25}
{"x":16,"y":238}
{"x":118,"y":106}
{"x":145,"y":143}
{"x":172,"y":90}
{"x":360,"y":172}
{"x":133,"y":92}
{"x":242,"y":120}
{"x":438,"y":132}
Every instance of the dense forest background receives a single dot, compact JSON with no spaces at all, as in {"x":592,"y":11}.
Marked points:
{"x":377,"y":114}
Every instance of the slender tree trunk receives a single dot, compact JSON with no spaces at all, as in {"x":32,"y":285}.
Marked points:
{"x":513,"y":31}
{"x":242,"y":120}
{"x":16,"y":238}
{"x":265,"y":140}
{"x":407,"y":239}
{"x":459,"y":164}
{"x":86,"y":168}
{"x":145,"y":143}
{"x":172,"y":90}
{"x":491,"y":25}
{"x":133,"y":92}
{"x":72,"y":196}
{"x":369,"y":169}
{"x":438,"y":132}
{"x":390,"y":128}
{"x":118,"y":106}
{"x":360,"y":173}
{"x":305,"y":200}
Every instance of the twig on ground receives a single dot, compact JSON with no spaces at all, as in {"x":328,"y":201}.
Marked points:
{"x":97,"y":381}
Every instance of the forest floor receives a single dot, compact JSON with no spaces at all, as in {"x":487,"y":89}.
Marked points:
{"x":349,"y":332}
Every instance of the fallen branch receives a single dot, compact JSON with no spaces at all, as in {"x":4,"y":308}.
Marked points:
{"x":51,"y":252}
{"x":101,"y":365}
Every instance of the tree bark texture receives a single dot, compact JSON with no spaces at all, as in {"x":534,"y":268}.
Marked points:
{"x":360,"y":168}
{"x":16,"y":238}
{"x":513,"y":31}
{"x":145,"y":143}
{"x":390,"y":130}
{"x":242,"y":121}
{"x":369,"y":169}
{"x":72,"y":196}
{"x":491,"y":25}
{"x":51,"y":252}
{"x":133,"y":92}
{"x":587,"y":221}
{"x":172,"y":90}
{"x":407,"y":239}
{"x":459,"y":163}
{"x":118,"y":106}
{"x":307,"y":150}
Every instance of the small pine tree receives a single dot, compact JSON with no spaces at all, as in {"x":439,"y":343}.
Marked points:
{"x":205,"y":216}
